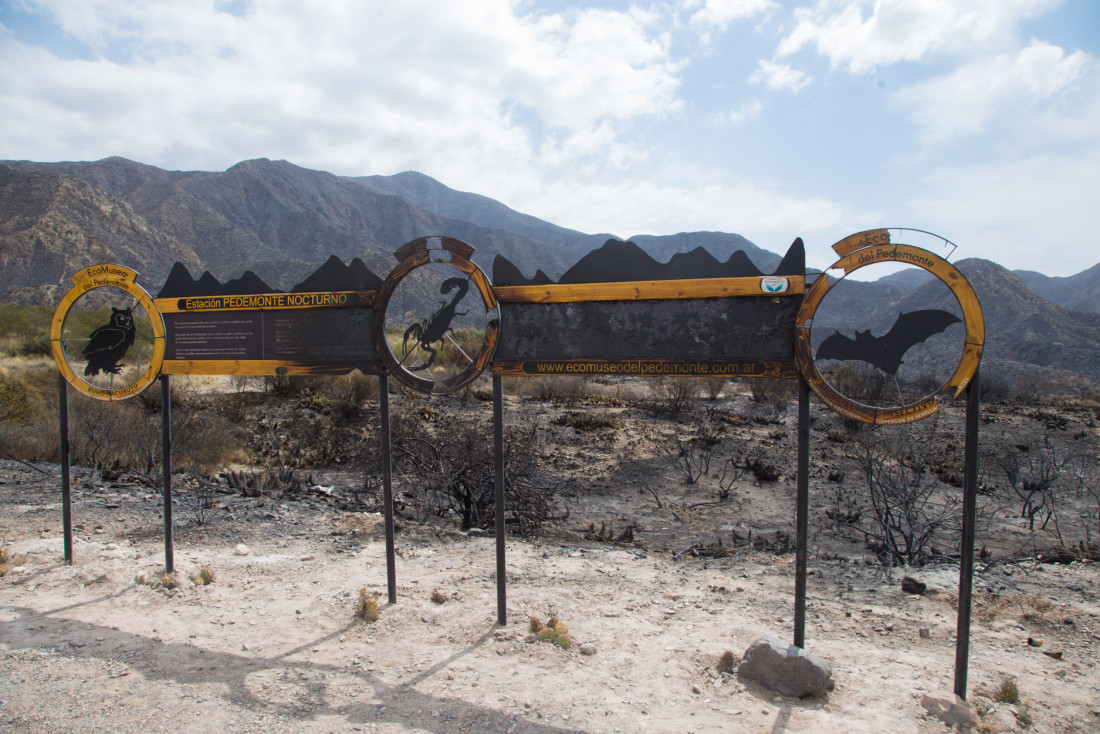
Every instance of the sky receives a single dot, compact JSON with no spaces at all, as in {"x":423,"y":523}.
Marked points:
{"x":977,"y":120}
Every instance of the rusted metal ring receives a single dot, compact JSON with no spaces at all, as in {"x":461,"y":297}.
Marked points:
{"x":418,"y":253}
{"x":861,"y":257}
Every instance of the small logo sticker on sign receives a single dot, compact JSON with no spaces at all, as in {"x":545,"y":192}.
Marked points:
{"x":774,"y":284}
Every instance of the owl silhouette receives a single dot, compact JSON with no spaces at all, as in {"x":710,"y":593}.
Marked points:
{"x":109,"y":343}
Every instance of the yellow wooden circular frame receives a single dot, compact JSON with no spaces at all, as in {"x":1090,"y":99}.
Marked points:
{"x":415,"y":254}
{"x":909,"y":255}
{"x":89,"y":279}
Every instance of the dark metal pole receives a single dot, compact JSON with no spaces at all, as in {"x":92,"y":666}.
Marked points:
{"x":387,"y":485}
{"x":966,"y":561}
{"x":498,"y":472}
{"x":66,"y":488}
{"x":802,"y":510}
{"x":166,"y":461}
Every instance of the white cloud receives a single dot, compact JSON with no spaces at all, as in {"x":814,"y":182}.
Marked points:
{"x":760,"y":210}
{"x":350,"y":87}
{"x":1036,"y":213}
{"x":862,"y":34}
{"x":716,"y":15}
{"x":964,"y":101}
{"x":747,"y":111}
{"x":779,"y":76}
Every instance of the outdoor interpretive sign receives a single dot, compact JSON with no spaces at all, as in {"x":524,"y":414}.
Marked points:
{"x":243,"y":327}
{"x":620,"y":312}
{"x":437,"y":322}
{"x":616,"y":312}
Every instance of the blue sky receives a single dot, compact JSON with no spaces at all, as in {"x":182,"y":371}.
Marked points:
{"x":978,"y":120}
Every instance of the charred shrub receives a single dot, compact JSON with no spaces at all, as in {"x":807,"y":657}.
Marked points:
{"x":446,"y":468}
{"x":675,"y":394}
{"x":762,"y":469}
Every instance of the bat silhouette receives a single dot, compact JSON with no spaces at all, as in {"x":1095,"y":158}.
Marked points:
{"x":886,"y":351}
{"x":109,"y":343}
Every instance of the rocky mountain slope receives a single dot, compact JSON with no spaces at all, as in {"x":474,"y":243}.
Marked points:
{"x":52,"y":225}
{"x":1080,"y":292}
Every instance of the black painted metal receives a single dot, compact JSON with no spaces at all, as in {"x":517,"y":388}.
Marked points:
{"x":333,"y":340}
{"x":737,"y":328}
{"x":886,"y":351}
{"x":617,"y":261}
{"x":966,"y":562}
{"x":802,"y":511}
{"x":66,"y":487}
{"x":387,"y":485}
{"x":166,"y":460}
{"x":332,"y":276}
{"x":498,"y":473}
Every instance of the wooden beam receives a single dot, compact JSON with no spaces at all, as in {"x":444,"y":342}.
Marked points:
{"x":646,"y":290}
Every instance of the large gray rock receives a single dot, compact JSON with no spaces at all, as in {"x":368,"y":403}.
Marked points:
{"x":786,"y":669}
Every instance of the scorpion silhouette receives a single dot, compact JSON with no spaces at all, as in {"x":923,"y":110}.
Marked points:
{"x":434,"y":329}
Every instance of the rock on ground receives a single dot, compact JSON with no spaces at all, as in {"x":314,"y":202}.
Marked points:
{"x":786,"y":669}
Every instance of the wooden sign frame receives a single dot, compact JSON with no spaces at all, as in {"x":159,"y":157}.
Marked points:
{"x":85,"y":281}
{"x":869,"y":248}
{"x":416,"y":254}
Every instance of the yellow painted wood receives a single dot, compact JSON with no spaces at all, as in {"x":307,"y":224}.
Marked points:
{"x":107,"y":276}
{"x":860,"y":240}
{"x":266,"y":302}
{"x":211,"y":367}
{"x":786,"y":369}
{"x":951,"y":277}
{"x":643,"y":290}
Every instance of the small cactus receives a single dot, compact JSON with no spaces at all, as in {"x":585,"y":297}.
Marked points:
{"x":1009,"y":692}
{"x":168,"y":581}
{"x":727,"y":662}
{"x":204,"y":577}
{"x":367,"y":608}
{"x":554,"y":631}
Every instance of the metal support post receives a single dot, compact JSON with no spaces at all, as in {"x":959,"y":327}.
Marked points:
{"x":387,"y":485}
{"x":966,"y":560}
{"x":498,"y":472}
{"x":166,"y":461}
{"x":66,"y":487}
{"x":802,"y":509}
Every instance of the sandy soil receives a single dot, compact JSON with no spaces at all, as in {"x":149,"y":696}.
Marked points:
{"x":273,"y":645}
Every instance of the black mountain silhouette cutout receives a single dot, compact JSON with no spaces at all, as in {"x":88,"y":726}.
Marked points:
{"x":619,"y":261}
{"x":335,"y":276}
{"x":180,"y":284}
{"x":505,"y":273}
{"x":332,"y":276}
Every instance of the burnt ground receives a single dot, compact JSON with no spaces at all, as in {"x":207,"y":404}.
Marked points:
{"x":659,"y":576}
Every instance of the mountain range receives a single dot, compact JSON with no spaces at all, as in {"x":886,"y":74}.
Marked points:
{"x":282,"y":222}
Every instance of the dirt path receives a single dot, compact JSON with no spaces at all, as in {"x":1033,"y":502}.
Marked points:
{"x":273,"y":645}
